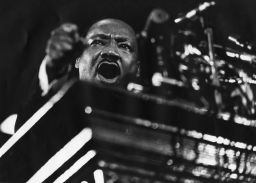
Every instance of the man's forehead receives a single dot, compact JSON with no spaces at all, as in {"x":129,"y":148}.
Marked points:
{"x":111,"y":28}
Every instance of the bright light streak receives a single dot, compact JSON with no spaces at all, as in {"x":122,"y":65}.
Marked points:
{"x":210,"y":138}
{"x":177,"y":20}
{"x":191,"y":14}
{"x":75,"y":167}
{"x":231,"y":54}
{"x":98,"y":176}
{"x":240,"y":145}
{"x":35,"y":118}
{"x":195,"y":134}
{"x":63,"y":155}
{"x":246,"y":57}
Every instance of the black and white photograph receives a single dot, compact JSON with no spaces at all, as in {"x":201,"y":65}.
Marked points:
{"x":128,"y":91}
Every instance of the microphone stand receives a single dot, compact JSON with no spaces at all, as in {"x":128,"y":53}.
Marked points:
{"x":215,"y":80}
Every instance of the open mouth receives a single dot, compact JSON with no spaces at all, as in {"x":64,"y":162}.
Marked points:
{"x":108,"y":71}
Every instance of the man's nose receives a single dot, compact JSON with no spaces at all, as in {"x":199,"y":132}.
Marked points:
{"x":110,"y":54}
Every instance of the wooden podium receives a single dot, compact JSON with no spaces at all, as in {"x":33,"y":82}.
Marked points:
{"x":115,"y":135}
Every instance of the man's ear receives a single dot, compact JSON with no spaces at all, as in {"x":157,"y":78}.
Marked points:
{"x":77,"y":62}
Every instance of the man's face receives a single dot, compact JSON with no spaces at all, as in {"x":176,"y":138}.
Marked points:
{"x":111,"y":53}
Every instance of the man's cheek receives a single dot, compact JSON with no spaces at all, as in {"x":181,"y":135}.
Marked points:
{"x":129,"y":61}
{"x":88,"y":59}
{"x":83,"y":73}
{"x":127,"y":57}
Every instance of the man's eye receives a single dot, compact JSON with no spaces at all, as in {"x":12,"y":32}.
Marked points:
{"x":125,"y":46}
{"x":97,"y":42}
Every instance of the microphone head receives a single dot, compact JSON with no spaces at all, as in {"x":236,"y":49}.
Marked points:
{"x":156,"y":16}
{"x":157,"y":79}
{"x":159,"y":16}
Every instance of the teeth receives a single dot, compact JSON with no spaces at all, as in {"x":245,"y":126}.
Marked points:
{"x":107,"y":62}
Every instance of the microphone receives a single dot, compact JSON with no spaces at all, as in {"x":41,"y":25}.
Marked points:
{"x":157,"y":16}
{"x":192,"y":13}
{"x":155,"y":39}
{"x":158,"y":79}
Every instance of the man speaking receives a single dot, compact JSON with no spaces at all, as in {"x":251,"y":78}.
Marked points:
{"x":106,"y":55}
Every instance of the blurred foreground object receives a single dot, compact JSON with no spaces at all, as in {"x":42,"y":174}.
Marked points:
{"x":135,"y":137}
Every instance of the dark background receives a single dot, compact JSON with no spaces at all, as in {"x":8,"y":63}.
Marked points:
{"x":25,"y":27}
